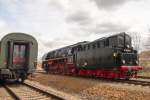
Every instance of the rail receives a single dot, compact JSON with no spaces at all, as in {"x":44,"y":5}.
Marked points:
{"x":26,"y":91}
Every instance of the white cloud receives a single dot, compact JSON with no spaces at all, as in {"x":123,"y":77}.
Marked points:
{"x":56,"y":23}
{"x":112,"y":4}
{"x":3,"y":28}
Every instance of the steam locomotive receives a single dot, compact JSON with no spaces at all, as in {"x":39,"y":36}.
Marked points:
{"x":107,"y":57}
{"x":18,"y":55}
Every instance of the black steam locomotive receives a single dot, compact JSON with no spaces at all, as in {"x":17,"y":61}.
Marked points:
{"x":108,"y":57}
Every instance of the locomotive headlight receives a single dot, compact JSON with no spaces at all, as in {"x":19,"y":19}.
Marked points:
{"x":115,"y":54}
{"x":123,"y":61}
{"x":137,"y":62}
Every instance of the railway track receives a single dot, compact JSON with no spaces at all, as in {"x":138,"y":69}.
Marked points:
{"x":28,"y":92}
{"x":40,"y":71}
{"x":143,"y":77}
{"x":4,"y":94}
{"x":135,"y":82}
{"x":141,"y":80}
{"x":138,"y":81}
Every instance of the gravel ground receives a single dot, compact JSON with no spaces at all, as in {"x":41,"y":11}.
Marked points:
{"x":93,"y":89}
{"x":4,"y":95}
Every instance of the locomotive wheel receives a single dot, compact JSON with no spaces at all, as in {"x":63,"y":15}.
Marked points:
{"x":127,"y":78}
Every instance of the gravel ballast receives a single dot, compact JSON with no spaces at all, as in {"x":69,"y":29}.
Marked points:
{"x":88,"y":88}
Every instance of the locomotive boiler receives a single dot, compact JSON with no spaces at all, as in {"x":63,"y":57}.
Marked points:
{"x":108,"y":57}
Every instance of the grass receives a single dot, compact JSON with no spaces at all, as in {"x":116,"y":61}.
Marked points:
{"x":146,"y":68}
{"x":144,"y":73}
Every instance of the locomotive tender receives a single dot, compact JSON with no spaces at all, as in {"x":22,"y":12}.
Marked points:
{"x":18,"y":55}
{"x":108,"y":57}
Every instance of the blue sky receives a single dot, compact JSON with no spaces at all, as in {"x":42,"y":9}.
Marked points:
{"x":56,"y":23}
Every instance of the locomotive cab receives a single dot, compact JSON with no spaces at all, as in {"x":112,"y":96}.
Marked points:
{"x":126,"y":58}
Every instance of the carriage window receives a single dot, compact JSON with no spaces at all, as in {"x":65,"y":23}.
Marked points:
{"x":93,"y":46}
{"x":16,"y":51}
{"x":69,"y":51}
{"x":80,"y":48}
{"x":22,"y":53}
{"x":107,"y":42}
{"x":113,"y":41}
{"x":98,"y":44}
{"x":84,"y":47}
{"x":72,"y":50}
{"x":88,"y":46}
{"x":19,"y":51}
{"x":19,"y":54}
{"x":102,"y":44}
{"x":128,"y":40}
{"x":121,"y":41}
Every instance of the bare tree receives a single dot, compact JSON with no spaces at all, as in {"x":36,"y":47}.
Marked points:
{"x":136,"y":40}
{"x":147,"y":44}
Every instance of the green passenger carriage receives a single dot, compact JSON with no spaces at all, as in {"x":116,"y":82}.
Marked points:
{"x":18,"y":55}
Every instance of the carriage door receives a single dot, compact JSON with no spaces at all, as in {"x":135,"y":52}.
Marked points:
{"x":19,"y":59}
